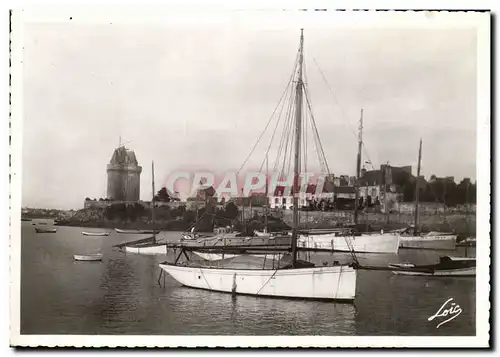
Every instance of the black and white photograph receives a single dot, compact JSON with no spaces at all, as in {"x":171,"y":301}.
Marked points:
{"x":262,"y":178}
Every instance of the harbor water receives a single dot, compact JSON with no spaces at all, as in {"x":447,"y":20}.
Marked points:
{"x":122,"y":295}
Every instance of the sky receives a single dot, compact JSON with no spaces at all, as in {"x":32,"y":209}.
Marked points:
{"x":197,"y":97}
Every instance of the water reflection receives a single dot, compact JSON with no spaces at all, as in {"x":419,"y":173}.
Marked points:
{"x":259,"y":315}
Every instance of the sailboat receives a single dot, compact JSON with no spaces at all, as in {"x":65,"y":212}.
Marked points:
{"x":411,"y":237}
{"x":146,"y":245}
{"x":291,"y":279}
{"x":346,"y":240}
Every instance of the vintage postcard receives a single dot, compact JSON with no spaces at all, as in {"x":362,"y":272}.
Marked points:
{"x":249,"y":178}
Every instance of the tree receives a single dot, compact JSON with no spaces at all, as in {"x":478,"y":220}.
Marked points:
{"x":231,"y":211}
{"x":163,"y":196}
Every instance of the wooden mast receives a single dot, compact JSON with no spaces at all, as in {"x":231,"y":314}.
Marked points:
{"x":267,"y":197}
{"x":298,"y":127}
{"x":358,"y":168}
{"x":153,"y":200}
{"x":417,"y":187}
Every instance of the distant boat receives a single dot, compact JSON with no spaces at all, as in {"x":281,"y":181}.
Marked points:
{"x":45,"y":230}
{"x":467,"y":242}
{"x":261,"y":233}
{"x":431,"y":240}
{"x":411,"y":237}
{"x":25,"y":219}
{"x":97,"y":234}
{"x":135,"y":231}
{"x":346,"y":241}
{"x":447,"y":266}
{"x":88,"y":257}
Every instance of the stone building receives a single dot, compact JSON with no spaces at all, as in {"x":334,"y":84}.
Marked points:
{"x":379,"y":187}
{"x":124,"y":175}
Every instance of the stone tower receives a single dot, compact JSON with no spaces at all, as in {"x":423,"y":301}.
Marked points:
{"x":123,"y":176}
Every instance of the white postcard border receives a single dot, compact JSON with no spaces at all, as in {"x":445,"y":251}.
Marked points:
{"x":391,"y":19}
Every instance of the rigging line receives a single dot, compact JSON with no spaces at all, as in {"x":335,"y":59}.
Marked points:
{"x":346,"y":118}
{"x":286,"y":124}
{"x":272,"y":115}
{"x":320,"y":159}
{"x":304,"y":122}
{"x":275,"y":129}
{"x":290,"y":151}
{"x":272,"y":136}
{"x":283,"y":135}
{"x":350,"y":127}
{"x":365,"y":151}
{"x":285,"y":127}
{"x":317,"y":133}
{"x":320,"y":162}
{"x":287,"y":141}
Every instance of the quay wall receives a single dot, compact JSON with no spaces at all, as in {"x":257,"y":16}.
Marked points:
{"x":460,"y":222}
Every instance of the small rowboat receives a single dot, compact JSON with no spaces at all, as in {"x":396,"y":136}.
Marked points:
{"x":45,"y":230}
{"x":96,"y":234}
{"x":447,"y":266}
{"x":88,"y":257}
{"x":135,"y":231}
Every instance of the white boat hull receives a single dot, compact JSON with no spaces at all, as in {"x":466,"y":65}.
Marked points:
{"x":103,"y":234}
{"x":365,"y":243}
{"x":160,"y":249}
{"x":333,"y":283}
{"x":88,"y":257}
{"x":218,"y":256}
{"x":445,"y":242}
{"x":440,"y":273}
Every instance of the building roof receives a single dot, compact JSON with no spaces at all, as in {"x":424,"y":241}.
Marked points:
{"x":371,"y":178}
{"x":123,"y":156}
{"x":344,"y":189}
{"x":311,"y":189}
{"x":376,"y":177}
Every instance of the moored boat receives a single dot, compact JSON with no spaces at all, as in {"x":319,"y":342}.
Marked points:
{"x":332,"y":283}
{"x":149,"y":245}
{"x":135,"y":231}
{"x":96,"y":234}
{"x":297,"y":279}
{"x":88,"y":257}
{"x":431,"y":240}
{"x":467,"y":242}
{"x":261,"y":233}
{"x":348,"y":242}
{"x":147,"y":248}
{"x":45,"y":230}
{"x":447,"y":266}
{"x":412,"y":237}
